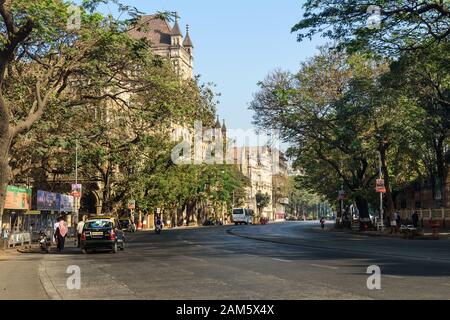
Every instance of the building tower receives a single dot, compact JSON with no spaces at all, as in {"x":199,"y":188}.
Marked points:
{"x":176,"y":37}
{"x":167,"y":42}
{"x":189,"y":47}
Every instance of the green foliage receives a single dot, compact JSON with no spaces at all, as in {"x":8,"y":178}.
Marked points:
{"x":262,"y":201}
{"x":403,"y":24}
{"x":110,"y":96}
{"x":340,"y":111}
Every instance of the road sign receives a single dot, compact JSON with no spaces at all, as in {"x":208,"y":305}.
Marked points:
{"x":76,"y":191}
{"x":131,"y":204}
{"x":342,"y":195}
{"x":380,"y":188}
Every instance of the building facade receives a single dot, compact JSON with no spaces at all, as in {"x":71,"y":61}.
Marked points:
{"x":266,"y":169}
{"x":168,"y":42}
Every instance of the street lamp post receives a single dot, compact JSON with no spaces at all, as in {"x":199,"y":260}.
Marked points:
{"x":381,"y":197}
{"x":341,"y":204}
{"x":76,"y":199}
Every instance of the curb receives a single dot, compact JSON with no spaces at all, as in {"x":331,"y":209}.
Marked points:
{"x":47,"y":284}
{"x":386,"y":236}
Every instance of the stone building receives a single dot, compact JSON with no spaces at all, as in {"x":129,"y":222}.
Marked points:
{"x":168,"y":42}
{"x":420,"y":196}
{"x":267,"y":171}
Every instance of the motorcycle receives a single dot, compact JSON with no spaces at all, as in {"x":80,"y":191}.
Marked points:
{"x":44,"y":242}
{"x":322,"y":223}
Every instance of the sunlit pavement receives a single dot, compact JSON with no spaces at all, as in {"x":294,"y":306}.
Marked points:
{"x":277,"y":261}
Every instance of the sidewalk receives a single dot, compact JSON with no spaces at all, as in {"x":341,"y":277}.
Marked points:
{"x":19,"y":277}
{"x":426,"y":235}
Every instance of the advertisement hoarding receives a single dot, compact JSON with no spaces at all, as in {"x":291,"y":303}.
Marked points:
{"x":18,"y":198}
{"x":48,"y":201}
{"x":66,"y":203}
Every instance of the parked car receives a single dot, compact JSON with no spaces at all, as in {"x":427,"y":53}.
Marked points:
{"x":102,"y":234}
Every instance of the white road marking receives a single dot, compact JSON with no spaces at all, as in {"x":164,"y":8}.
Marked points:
{"x":324,"y":266}
{"x":282,"y":260}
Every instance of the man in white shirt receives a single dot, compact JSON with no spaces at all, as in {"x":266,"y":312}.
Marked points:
{"x":80,"y":227}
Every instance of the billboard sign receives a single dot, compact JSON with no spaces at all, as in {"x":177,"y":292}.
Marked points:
{"x":76,"y":191}
{"x":48,"y":201}
{"x":66,"y":203}
{"x":380,"y":188}
{"x":18,"y":198}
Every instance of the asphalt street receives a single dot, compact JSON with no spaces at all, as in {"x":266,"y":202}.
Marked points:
{"x":293,"y":260}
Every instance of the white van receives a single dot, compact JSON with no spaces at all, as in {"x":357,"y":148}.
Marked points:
{"x":242,"y":216}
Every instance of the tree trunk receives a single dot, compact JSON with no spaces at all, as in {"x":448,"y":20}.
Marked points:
{"x":5,"y":176}
{"x":190,"y":210}
{"x":363,"y":207}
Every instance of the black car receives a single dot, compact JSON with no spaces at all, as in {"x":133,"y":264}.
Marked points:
{"x":102,"y":234}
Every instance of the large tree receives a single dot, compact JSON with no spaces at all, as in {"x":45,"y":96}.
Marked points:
{"x":325,"y":142}
{"x":47,"y":62}
{"x":382,"y":26}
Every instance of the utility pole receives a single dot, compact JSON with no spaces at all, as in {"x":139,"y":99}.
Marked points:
{"x":76,"y":199}
{"x":381,"y":197}
{"x":341,"y":205}
{"x":233,"y":200}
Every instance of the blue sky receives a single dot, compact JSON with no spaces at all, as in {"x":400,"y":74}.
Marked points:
{"x":237,"y":43}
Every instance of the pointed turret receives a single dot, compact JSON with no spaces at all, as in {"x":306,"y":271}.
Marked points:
{"x":218,"y":126}
{"x":176,"y":31}
{"x":175,"y":34}
{"x":187,"y":43}
{"x":224,"y":127}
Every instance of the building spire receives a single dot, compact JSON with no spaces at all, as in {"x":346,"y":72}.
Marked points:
{"x":187,"y":40}
{"x":176,"y":31}
{"x":218,"y":126}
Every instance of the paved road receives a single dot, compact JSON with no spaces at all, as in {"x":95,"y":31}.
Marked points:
{"x":277,"y":261}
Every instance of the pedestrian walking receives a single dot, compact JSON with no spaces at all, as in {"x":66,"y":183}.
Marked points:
{"x":80,"y":227}
{"x":393,"y":222}
{"x":415,"y":219}
{"x":5,"y":236}
{"x":60,"y":234}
